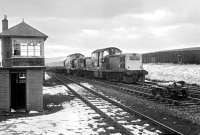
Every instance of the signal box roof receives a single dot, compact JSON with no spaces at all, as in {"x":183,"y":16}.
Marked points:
{"x":23,"y":30}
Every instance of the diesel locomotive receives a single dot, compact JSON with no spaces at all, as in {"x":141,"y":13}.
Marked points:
{"x":109,"y":64}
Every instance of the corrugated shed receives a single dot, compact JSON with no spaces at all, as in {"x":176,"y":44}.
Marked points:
{"x":185,"y":55}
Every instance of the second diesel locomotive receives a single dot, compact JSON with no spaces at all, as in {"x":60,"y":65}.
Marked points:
{"x":109,"y":64}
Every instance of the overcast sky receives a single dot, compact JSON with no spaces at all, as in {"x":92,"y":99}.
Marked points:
{"x":132,"y":25}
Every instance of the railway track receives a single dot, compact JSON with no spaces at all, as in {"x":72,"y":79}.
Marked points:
{"x":144,"y":91}
{"x":194,"y":90}
{"x":191,"y":100}
{"x":122,"y":117}
{"x":194,"y":93}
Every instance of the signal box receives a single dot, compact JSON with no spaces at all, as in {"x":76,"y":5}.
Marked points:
{"x":21,"y":74}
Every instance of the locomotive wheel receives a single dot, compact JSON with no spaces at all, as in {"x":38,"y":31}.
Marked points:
{"x":185,"y":93}
{"x":155,"y":92}
{"x":107,"y":75}
{"x":114,"y":77}
{"x":174,"y":95}
{"x":127,"y":79}
{"x":142,"y":78}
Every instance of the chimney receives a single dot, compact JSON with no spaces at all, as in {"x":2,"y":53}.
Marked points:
{"x":4,"y":23}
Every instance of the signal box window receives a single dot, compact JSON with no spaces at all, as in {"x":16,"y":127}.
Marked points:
{"x":17,"y":49}
{"x":27,"y":48}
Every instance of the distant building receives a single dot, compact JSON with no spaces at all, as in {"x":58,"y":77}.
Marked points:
{"x":21,"y":74}
{"x":179,"y":56}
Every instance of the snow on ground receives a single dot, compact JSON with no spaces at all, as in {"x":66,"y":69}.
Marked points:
{"x":55,"y":90}
{"x":87,"y":85}
{"x":72,"y":120}
{"x":46,"y":76}
{"x":74,"y":117}
{"x":173,"y":72}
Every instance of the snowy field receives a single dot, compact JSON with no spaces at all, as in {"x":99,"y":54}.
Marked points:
{"x":174,"y":72}
{"x":75,"y":119}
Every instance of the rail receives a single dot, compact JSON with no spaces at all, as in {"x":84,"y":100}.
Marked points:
{"x":128,"y":109}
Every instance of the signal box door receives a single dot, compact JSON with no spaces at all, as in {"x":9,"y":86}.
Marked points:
{"x":18,"y":90}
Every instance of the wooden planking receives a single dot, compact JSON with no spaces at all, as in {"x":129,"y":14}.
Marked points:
{"x":4,"y":91}
{"x":6,"y":47}
{"x":34,"y":90}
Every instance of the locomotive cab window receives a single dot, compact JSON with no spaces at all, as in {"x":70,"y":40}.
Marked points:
{"x":105,"y":53}
{"x":134,"y":57}
{"x":113,"y":51}
{"x":27,"y":48}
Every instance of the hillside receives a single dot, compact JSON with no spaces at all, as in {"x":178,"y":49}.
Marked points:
{"x":55,"y":61}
